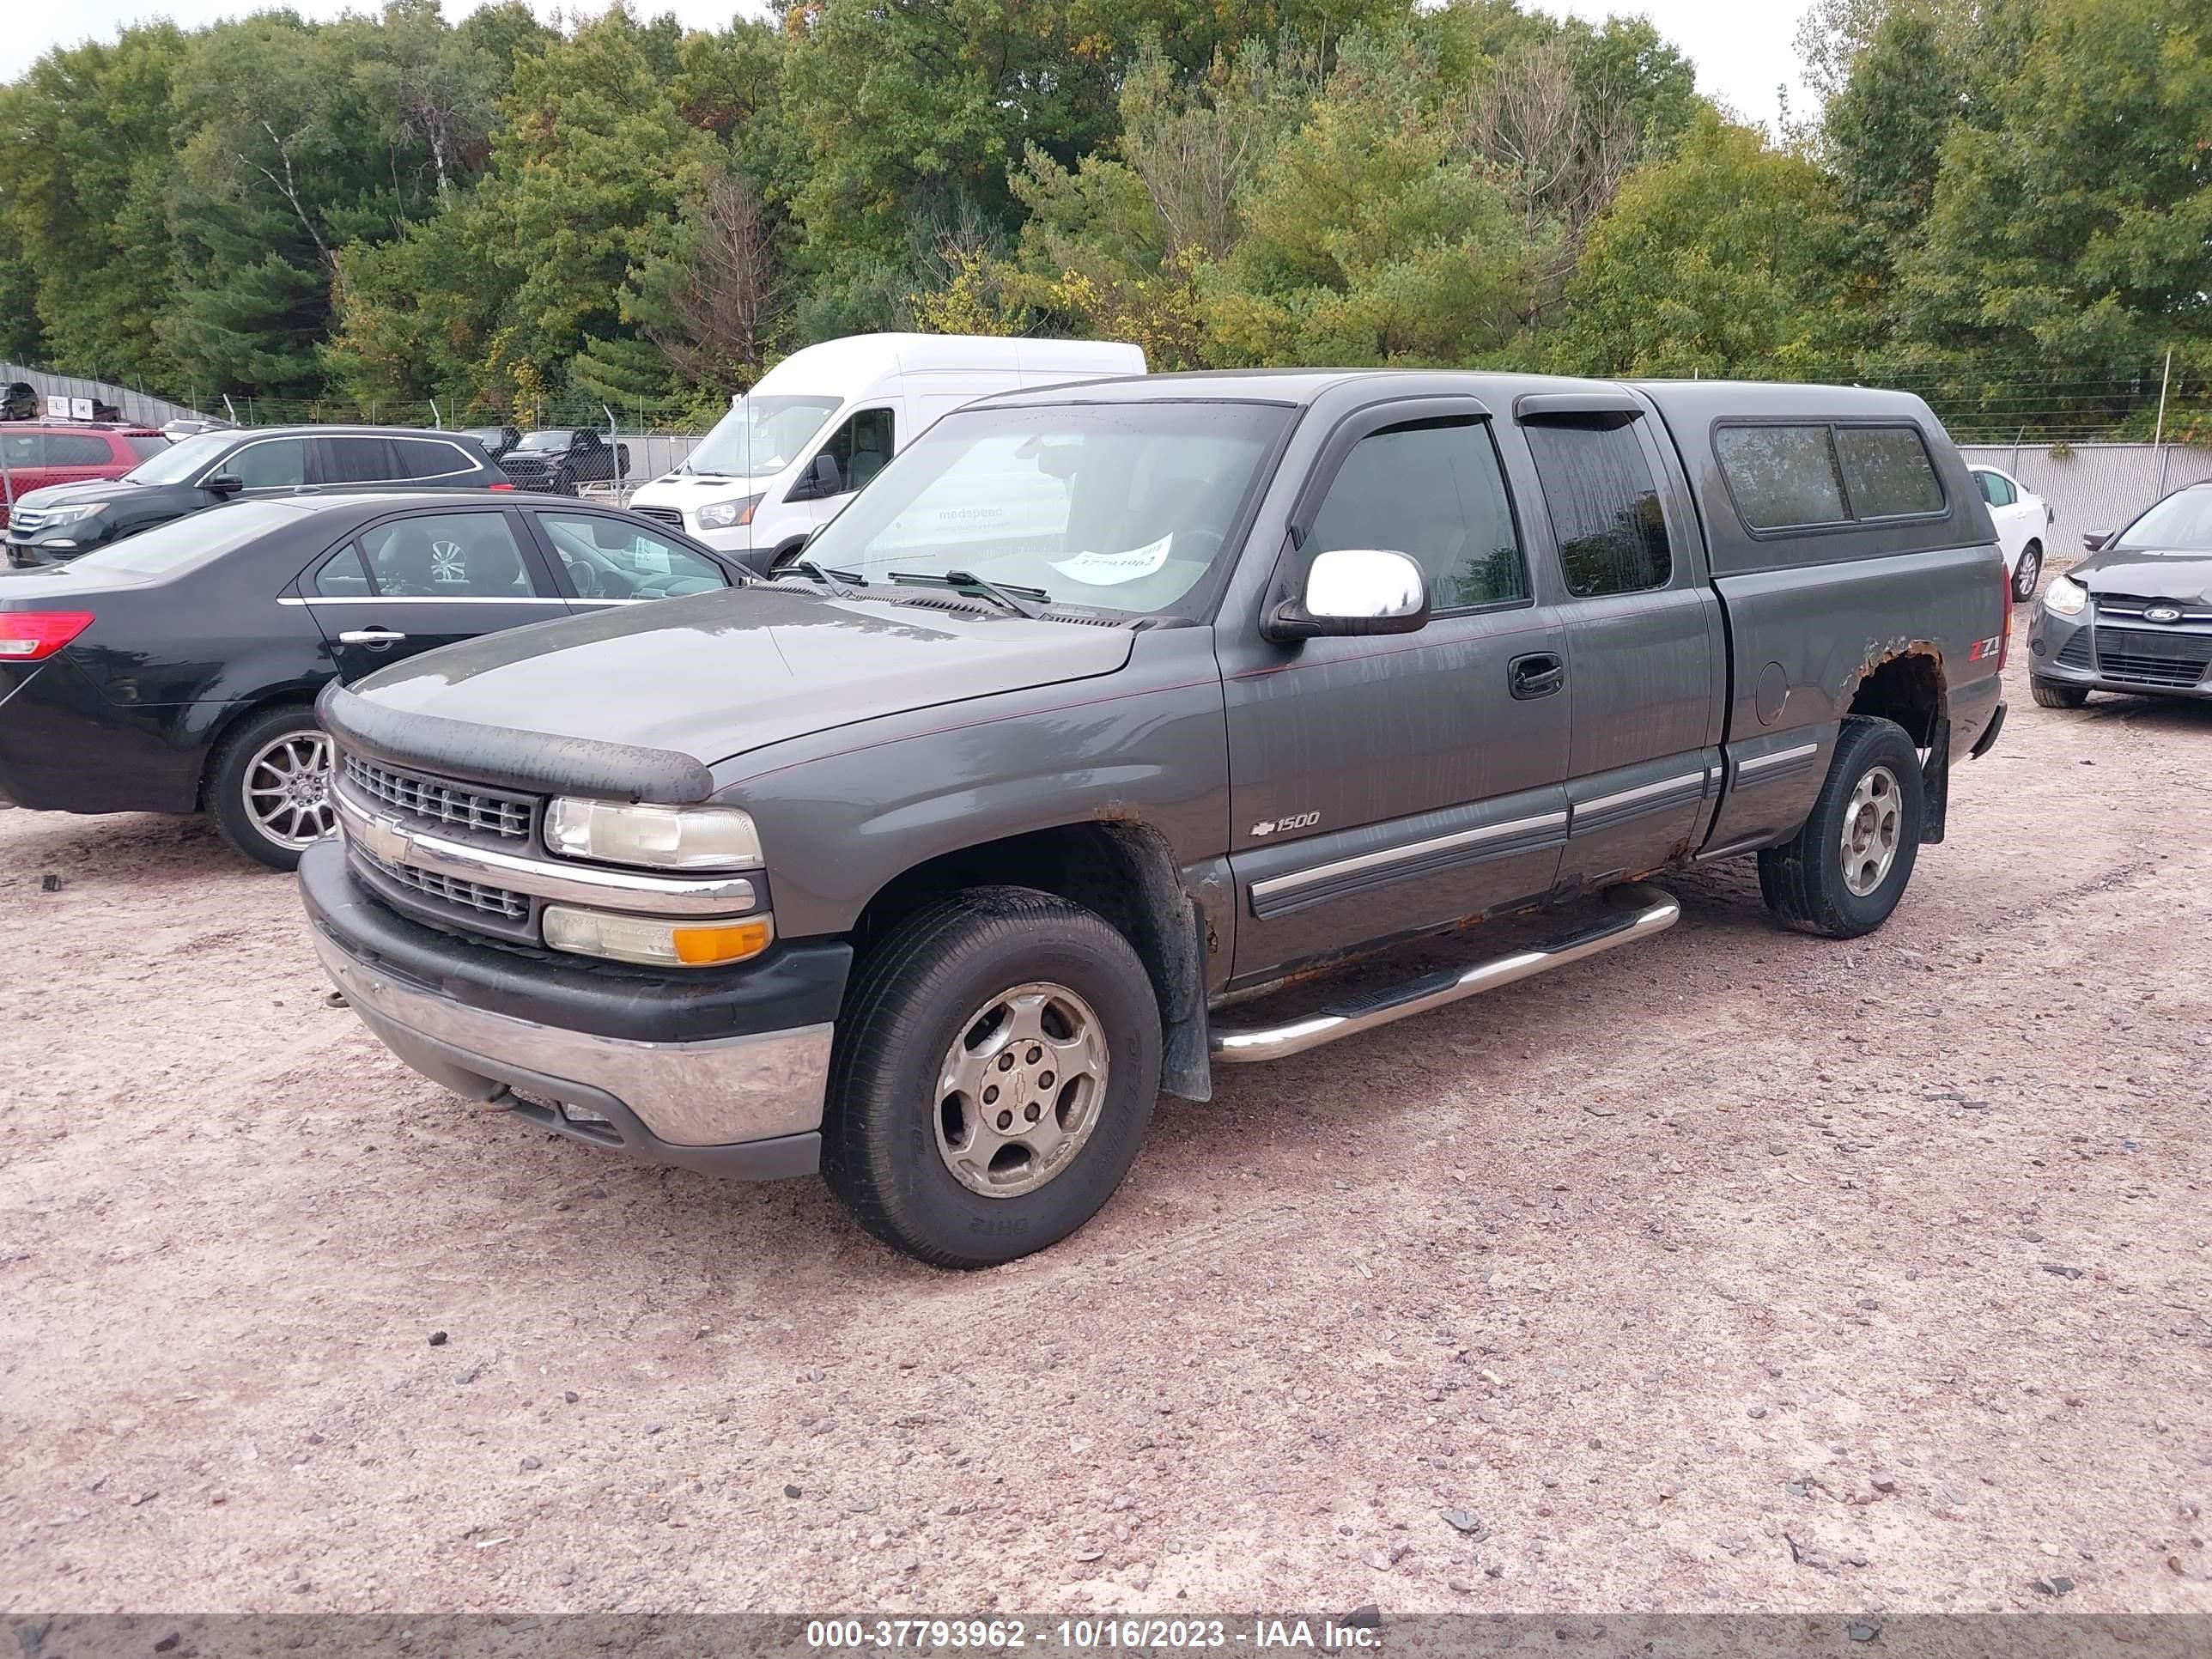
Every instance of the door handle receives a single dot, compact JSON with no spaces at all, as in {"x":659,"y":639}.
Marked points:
{"x":1537,"y":674}
{"x":370,"y":636}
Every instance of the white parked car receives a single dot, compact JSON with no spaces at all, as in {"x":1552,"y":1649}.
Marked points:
{"x":2022,"y":518}
{"x":792,"y":451}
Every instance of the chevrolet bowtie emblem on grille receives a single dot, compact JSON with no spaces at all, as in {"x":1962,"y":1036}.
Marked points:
{"x":385,"y":840}
{"x":2162,"y":613}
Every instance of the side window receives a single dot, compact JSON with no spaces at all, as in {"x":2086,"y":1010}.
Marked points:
{"x":1604,"y":503}
{"x":609,"y":559}
{"x":342,"y":576}
{"x":1782,"y":475}
{"x":76,"y":449}
{"x":345,"y":460}
{"x":425,"y":458}
{"x":2002,"y":494}
{"x":269,"y":464}
{"x":861,"y":445}
{"x":1888,"y":472}
{"x":1433,"y":490}
{"x":24,"y":449}
{"x":448,"y":556}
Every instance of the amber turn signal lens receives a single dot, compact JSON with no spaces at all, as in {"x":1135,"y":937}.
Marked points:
{"x":706,"y":947}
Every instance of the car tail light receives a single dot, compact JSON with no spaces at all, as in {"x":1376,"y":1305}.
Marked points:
{"x":34,"y":635}
{"x":502,"y":484}
{"x":2004,"y":634}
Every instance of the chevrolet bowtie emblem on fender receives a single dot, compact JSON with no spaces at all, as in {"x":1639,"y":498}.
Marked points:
{"x":2162,"y":613}
{"x":385,"y":840}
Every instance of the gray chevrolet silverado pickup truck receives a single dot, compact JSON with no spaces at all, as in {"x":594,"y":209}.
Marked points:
{"x":932,"y":860}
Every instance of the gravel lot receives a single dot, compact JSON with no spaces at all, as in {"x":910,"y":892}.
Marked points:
{"x":1739,"y":1271}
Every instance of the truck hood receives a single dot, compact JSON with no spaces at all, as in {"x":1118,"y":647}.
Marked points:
{"x":2185,"y":578}
{"x":719,"y":674}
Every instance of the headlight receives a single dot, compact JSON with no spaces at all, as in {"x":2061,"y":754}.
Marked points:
{"x":657,"y":837}
{"x":657,"y":943}
{"x":70,"y":515}
{"x":2065,"y":597}
{"x":725,"y":515}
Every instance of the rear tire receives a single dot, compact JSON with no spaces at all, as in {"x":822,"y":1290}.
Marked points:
{"x":2049,"y":694}
{"x":269,"y":784}
{"x":936,"y":1010}
{"x":2028,"y":572}
{"x":1845,"y":869}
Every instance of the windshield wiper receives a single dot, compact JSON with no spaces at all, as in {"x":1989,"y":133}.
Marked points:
{"x":1004,"y":596}
{"x":808,"y":567}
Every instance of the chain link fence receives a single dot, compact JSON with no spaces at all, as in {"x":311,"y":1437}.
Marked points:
{"x":2091,"y":486}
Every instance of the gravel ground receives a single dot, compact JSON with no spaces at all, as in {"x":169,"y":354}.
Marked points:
{"x":1739,"y":1271}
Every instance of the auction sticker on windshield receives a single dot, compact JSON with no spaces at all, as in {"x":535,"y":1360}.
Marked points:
{"x":1106,"y":569}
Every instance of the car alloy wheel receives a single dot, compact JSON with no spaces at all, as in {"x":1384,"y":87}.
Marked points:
{"x":287,"y":789}
{"x":1020,"y":1090}
{"x":1873,"y":827}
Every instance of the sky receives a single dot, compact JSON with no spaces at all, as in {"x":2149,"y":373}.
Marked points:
{"x":1741,"y":47}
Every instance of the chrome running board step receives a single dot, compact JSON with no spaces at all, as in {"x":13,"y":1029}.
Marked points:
{"x":1644,"y":911}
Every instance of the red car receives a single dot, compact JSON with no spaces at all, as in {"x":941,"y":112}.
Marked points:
{"x":35,"y":453}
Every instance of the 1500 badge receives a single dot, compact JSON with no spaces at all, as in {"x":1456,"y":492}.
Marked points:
{"x":1275,"y":826}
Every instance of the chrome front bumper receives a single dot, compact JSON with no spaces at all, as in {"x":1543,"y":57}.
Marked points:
{"x":694,"y":1103}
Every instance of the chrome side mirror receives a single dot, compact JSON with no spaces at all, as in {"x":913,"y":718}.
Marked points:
{"x":1354,"y":591}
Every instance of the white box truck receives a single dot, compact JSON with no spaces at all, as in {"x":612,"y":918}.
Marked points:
{"x":821,"y":424}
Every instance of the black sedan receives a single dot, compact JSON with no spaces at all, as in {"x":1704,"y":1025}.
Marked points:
{"x":2136,"y":615}
{"x":64,"y":521}
{"x":176,"y":672}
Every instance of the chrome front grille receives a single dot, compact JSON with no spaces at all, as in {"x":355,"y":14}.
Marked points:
{"x":451,"y":890}
{"x":440,"y":801}
{"x":668,"y":516}
{"x":27,"y":519}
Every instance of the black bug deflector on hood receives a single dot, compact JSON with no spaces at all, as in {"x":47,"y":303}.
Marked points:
{"x":505,"y":754}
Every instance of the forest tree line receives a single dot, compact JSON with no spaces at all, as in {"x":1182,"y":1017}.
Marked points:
{"x":2005,"y":203}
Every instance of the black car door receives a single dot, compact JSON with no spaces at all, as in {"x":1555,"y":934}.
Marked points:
{"x":417,"y":580}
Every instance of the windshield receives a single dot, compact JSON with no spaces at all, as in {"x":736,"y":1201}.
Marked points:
{"x":183,"y":460}
{"x":2182,"y":523}
{"x":543,"y":440}
{"x":760,"y":436}
{"x":189,"y":541}
{"x":1117,"y":506}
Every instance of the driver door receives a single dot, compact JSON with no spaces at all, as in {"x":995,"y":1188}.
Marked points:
{"x":1396,"y":784}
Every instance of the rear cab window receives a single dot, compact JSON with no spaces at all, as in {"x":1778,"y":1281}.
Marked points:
{"x":1804,"y":476}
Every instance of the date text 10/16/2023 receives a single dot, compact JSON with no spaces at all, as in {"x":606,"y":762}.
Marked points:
{"x":1008,"y":1635}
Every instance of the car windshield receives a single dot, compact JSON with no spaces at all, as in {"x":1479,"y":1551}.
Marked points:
{"x":543,"y":440}
{"x":189,"y":541}
{"x":760,"y":436}
{"x":1117,"y":506}
{"x":184,"y":460}
{"x":2182,"y":523}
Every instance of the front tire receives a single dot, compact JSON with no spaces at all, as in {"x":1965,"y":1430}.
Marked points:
{"x":1845,"y":869}
{"x":269,"y":785}
{"x":2049,"y":694}
{"x":993,"y":1079}
{"x":2028,"y":572}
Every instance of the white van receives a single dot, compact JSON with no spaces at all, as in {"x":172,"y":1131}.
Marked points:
{"x":821,"y":422}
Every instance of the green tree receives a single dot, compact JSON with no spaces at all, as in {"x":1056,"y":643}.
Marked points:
{"x":2072,"y":206}
{"x":84,"y":174}
{"x":1723,"y":260}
